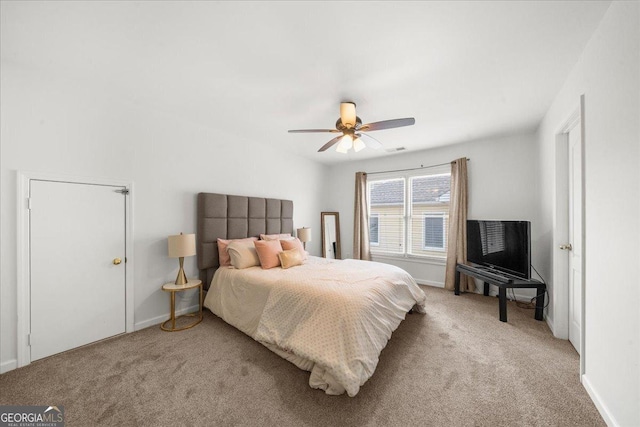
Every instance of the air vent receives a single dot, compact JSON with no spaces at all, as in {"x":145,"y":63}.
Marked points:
{"x":393,"y":150}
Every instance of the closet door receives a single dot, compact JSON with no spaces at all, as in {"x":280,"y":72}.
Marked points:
{"x":575,"y":237}
{"x":77,"y":265}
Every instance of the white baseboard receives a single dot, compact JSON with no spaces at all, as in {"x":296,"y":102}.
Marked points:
{"x":519,"y":297}
{"x":601,"y":407}
{"x":9,"y":365}
{"x":429,"y":283}
{"x":479,"y":290}
{"x":159,"y":319}
{"x":550,"y":324}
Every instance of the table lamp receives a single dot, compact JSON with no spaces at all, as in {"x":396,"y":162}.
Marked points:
{"x":304,"y":234}
{"x":180,"y":246}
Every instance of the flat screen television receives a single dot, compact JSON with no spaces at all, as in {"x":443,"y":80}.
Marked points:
{"x":504,"y":246}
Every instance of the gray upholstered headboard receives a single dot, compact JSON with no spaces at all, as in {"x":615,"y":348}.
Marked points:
{"x":236,"y":217}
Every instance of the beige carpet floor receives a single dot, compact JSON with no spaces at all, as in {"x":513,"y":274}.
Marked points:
{"x":455,"y":366}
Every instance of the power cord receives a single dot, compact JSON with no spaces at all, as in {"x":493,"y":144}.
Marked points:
{"x":532,"y":303}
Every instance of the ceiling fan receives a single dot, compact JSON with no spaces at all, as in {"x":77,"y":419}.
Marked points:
{"x":352,"y":130}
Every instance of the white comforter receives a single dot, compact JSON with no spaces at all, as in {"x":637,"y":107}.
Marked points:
{"x":330,"y":317}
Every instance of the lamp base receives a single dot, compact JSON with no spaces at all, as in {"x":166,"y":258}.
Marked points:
{"x":181,"y":280}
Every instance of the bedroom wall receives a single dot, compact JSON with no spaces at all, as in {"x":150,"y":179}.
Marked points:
{"x":502,"y":185}
{"x":608,"y":74}
{"x":57,"y":124}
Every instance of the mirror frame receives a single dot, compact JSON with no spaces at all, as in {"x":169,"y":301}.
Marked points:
{"x":338,"y":251}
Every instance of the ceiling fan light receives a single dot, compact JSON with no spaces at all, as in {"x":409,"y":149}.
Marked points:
{"x":345,"y":144}
{"x":341,"y":149}
{"x":348,"y":114}
{"x":358,"y":144}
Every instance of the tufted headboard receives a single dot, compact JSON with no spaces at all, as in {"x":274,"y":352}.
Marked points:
{"x":235,"y":217}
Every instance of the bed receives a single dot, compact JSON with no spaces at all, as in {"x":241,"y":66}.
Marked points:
{"x":329,"y":317}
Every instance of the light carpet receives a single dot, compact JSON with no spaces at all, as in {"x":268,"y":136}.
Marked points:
{"x":458,"y":365}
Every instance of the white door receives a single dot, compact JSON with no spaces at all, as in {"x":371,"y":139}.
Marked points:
{"x":77,"y":291}
{"x":575,"y":237}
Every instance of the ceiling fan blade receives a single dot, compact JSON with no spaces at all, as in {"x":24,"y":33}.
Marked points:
{"x":348,"y":114}
{"x":312,"y":130}
{"x":388,"y":124}
{"x":329,"y":144}
{"x":370,"y":141}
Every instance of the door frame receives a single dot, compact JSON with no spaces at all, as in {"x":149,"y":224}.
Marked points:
{"x":24,"y":249}
{"x":560,"y":260}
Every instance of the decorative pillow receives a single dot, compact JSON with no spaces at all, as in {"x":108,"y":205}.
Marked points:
{"x":268,"y":251}
{"x":223,"y":255}
{"x":290,"y":258}
{"x":243,"y":254}
{"x":294,"y":244}
{"x":286,"y":236}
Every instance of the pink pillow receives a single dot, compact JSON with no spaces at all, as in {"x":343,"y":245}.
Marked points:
{"x":223,"y":255}
{"x":268,"y":251}
{"x":294,"y":244}
{"x":286,"y":236}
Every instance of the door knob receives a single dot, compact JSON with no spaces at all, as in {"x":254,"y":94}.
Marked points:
{"x":116,"y":261}
{"x":566,"y":247}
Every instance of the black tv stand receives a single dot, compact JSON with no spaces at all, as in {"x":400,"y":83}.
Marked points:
{"x":502,"y":281}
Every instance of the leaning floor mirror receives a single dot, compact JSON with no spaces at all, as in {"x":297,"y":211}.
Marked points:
{"x":330,"y":222}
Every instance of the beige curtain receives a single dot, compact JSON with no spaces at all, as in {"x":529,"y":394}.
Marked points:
{"x":457,"y":236}
{"x":361,"y":219}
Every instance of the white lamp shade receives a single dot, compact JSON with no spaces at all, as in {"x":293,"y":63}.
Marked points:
{"x":182,"y":245}
{"x":304,"y":234}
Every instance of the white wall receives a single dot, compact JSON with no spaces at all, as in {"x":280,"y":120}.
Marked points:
{"x":608,"y":74}
{"x":55,"y":124}
{"x":502,"y":185}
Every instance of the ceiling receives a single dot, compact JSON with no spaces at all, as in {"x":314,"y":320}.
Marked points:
{"x":464,"y":70}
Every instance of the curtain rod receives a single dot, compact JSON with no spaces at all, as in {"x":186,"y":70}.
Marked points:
{"x":413,"y":169}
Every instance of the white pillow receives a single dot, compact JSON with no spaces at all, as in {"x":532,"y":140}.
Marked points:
{"x":243,"y":254}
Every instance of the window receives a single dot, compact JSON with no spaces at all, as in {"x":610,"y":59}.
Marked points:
{"x":386,"y":204}
{"x":374,"y":238}
{"x":409,"y":214}
{"x":434,"y":232}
